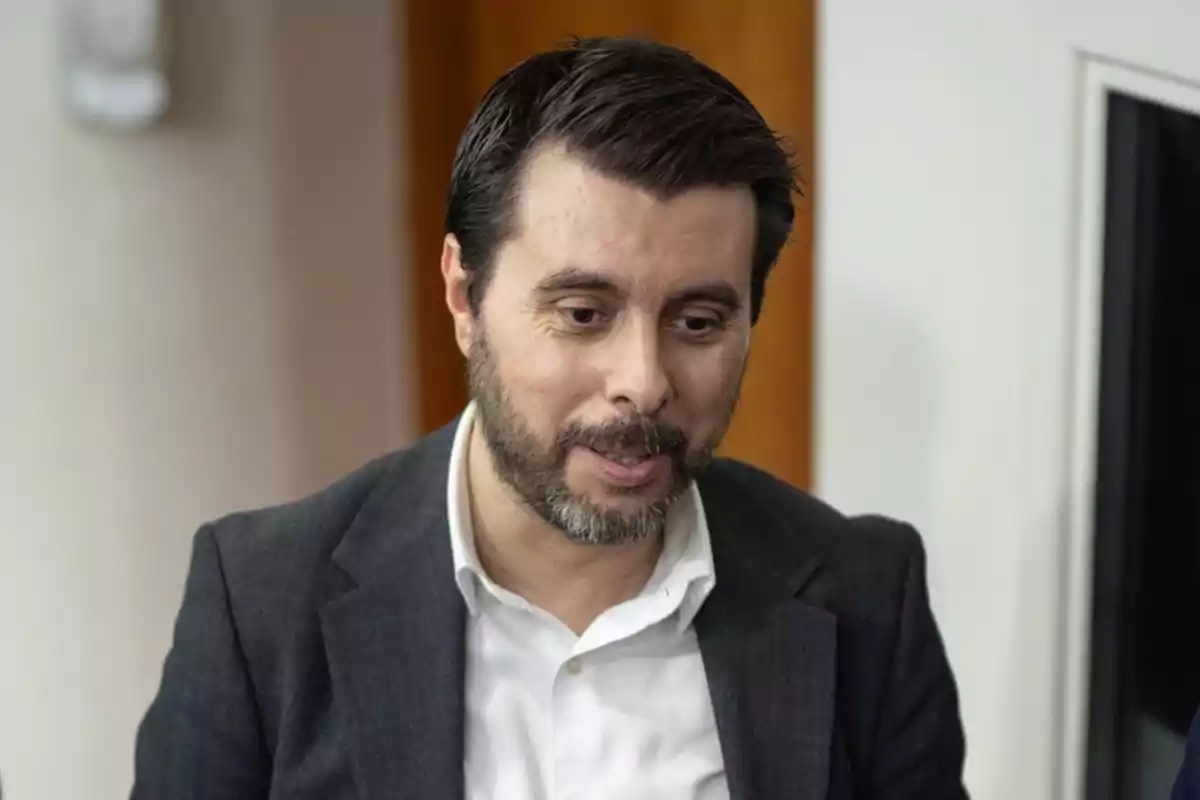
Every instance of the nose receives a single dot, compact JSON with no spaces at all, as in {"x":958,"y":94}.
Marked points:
{"x":637,"y":379}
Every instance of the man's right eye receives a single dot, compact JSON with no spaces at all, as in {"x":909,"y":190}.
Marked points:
{"x":583,"y":316}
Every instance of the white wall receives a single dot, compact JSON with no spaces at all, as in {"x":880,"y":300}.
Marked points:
{"x":198,"y":318}
{"x":947,"y":134}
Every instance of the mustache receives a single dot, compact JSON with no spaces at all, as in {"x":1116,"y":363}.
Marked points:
{"x":636,"y":434}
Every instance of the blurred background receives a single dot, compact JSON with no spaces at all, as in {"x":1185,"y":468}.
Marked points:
{"x":983,"y":325}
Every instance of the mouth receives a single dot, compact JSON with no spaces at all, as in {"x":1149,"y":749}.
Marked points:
{"x":630,"y":468}
{"x":624,"y":457}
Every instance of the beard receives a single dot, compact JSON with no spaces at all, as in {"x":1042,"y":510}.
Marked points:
{"x":536,"y":472}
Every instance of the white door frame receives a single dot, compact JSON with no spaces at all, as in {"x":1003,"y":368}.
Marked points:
{"x":1097,"y":77}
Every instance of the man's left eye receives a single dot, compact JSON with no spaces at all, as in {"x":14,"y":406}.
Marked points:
{"x":698,"y":324}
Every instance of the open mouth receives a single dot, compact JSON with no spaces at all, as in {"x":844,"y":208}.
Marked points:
{"x":631,"y":468}
{"x":624,"y":458}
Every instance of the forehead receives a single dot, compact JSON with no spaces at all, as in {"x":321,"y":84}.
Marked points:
{"x":572,"y":216}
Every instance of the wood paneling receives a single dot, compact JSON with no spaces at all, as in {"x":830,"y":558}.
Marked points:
{"x":456,"y":48}
{"x":439,"y":102}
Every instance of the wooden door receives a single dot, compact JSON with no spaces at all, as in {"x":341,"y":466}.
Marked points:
{"x":454,"y":49}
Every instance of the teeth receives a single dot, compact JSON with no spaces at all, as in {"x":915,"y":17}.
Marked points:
{"x":626,"y":460}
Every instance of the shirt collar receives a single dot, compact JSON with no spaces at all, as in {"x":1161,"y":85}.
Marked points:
{"x":685,"y":567}
{"x":467,"y":568}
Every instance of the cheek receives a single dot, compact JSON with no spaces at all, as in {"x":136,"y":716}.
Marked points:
{"x":707,"y":381}
{"x":546,"y":380}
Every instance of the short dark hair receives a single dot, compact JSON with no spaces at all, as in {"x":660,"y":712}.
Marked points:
{"x":637,"y":111}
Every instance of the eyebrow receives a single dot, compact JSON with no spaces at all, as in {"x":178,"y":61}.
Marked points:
{"x":575,"y":279}
{"x":720,"y":292}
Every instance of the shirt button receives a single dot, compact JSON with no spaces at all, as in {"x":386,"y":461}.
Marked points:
{"x":574,"y":667}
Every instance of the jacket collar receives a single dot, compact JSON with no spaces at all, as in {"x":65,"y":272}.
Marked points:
{"x":394,"y":640}
{"x":769,"y":648}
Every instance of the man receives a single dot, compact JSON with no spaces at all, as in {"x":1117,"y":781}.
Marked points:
{"x":563,"y":594}
{"x":1187,"y":785}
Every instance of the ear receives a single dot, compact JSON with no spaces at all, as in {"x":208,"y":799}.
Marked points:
{"x":457,"y":280}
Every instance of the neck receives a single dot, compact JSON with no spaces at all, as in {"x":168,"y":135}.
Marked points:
{"x":533,"y":559}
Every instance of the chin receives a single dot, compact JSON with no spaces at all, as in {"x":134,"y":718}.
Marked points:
{"x":622,"y":499}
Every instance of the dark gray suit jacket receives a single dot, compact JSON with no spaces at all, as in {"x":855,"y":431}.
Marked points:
{"x":319,"y":650}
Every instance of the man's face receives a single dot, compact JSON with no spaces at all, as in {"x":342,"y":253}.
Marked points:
{"x":610,"y":344}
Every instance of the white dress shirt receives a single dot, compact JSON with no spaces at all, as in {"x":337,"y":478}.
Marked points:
{"x":619,"y":713}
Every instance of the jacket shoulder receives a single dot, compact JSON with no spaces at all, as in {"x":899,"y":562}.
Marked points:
{"x":896,"y":697}
{"x":865,"y":560}
{"x":277,"y":562}
{"x":799,"y":515}
{"x":275,"y":540}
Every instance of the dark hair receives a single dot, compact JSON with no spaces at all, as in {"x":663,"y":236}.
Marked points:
{"x":638,"y":111}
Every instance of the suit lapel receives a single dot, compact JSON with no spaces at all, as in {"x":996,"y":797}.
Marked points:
{"x":395,"y":641}
{"x":770,"y":656}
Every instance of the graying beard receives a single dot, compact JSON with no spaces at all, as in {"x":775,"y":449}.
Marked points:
{"x":545,"y":494}
{"x":585,"y":524}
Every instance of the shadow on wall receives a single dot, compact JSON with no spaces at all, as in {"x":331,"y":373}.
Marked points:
{"x":332,"y":83}
{"x":326,"y":91}
{"x":270,"y":342}
{"x":206,"y":56}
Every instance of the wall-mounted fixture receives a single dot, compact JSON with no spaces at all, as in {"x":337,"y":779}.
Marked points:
{"x":114,"y":61}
